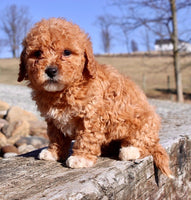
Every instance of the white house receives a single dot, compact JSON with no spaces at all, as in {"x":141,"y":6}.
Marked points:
{"x":166,"y":45}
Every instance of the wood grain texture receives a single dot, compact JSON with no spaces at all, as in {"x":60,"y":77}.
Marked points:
{"x":27,"y":178}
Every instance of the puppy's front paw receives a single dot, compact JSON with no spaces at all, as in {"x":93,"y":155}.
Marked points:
{"x":129,"y":153}
{"x":45,"y":154}
{"x":79,"y":162}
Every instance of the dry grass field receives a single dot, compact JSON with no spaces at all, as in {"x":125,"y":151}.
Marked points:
{"x":150,"y":73}
{"x":8,"y":71}
{"x":154,"y":74}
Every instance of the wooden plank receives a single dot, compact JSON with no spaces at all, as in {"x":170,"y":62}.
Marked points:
{"x":27,"y":178}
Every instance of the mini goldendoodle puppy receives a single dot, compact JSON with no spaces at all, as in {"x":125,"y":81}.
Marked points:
{"x":84,"y":101}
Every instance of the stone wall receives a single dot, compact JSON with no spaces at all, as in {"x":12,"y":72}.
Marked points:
{"x":25,"y":177}
{"x":20,"y":131}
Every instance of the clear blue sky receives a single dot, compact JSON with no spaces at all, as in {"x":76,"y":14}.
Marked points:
{"x":84,"y":13}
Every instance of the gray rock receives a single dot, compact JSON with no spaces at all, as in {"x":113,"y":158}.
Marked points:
{"x":16,"y":130}
{"x":15,"y":113}
{"x":3,"y":140}
{"x":8,"y":151}
{"x":25,"y":148}
{"x":35,"y":141}
{"x":38,"y":128}
{"x":10,"y":155}
{"x":3,"y":108}
{"x":3,"y":123}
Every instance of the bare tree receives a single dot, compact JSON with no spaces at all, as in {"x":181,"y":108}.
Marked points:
{"x":174,"y":36}
{"x":152,"y":14}
{"x":105,"y":23}
{"x":134,"y":46}
{"x":146,"y":38}
{"x":126,"y":37}
{"x":15,"y":23}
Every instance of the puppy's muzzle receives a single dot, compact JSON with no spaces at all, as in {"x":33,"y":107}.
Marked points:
{"x":51,"y":71}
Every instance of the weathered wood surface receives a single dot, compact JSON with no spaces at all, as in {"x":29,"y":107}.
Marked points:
{"x":28,"y":178}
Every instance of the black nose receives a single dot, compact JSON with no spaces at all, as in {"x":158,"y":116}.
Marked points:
{"x":51,"y":71}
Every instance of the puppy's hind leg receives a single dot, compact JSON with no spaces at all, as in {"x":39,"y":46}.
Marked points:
{"x":129,"y":153}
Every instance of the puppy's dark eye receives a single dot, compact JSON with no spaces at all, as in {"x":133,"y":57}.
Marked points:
{"x":37,"y":54}
{"x":67,"y":52}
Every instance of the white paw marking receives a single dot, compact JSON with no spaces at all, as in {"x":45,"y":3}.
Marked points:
{"x":79,"y":162}
{"x":129,"y":153}
{"x":45,"y":154}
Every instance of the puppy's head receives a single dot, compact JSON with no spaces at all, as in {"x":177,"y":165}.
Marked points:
{"x":56,"y":54}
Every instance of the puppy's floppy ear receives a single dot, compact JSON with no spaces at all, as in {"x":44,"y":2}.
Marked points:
{"x":90,"y":63}
{"x":22,"y":69}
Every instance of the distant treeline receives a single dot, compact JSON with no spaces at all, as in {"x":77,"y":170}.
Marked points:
{"x":141,"y":54}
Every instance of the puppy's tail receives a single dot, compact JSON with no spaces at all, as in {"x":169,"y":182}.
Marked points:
{"x":161,"y":160}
